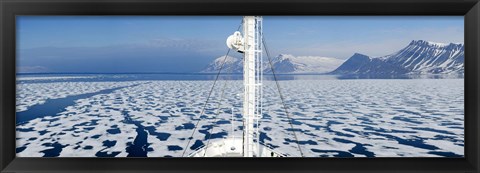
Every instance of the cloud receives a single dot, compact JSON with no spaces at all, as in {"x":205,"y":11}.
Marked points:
{"x":196,"y":45}
{"x":156,"y":56}
{"x":32,"y":69}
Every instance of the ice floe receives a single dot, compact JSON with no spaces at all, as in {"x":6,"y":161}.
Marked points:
{"x":331,"y":118}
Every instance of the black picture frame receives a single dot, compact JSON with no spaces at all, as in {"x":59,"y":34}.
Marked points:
{"x":470,"y":9}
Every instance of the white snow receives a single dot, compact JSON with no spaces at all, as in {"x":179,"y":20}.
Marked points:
{"x":438,"y":44}
{"x":314,"y":64}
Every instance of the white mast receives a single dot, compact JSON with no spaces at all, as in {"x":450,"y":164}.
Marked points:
{"x":250,"y":44}
{"x":252,"y":26}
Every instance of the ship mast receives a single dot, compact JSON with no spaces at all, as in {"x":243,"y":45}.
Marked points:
{"x":249,"y":43}
{"x":252,"y":78}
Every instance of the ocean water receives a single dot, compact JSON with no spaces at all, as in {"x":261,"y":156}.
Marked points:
{"x":153,"y":115}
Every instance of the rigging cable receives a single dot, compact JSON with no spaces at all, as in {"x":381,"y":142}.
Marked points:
{"x":216,"y":114}
{"x":205,"y":104}
{"x":281,"y":95}
{"x":208,"y":98}
{"x":219,"y":104}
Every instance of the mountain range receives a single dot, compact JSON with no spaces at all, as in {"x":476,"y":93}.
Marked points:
{"x":418,"y":57}
{"x":283,"y":63}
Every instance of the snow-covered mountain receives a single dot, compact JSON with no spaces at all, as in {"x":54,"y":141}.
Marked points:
{"x":286,"y":63}
{"x":232,"y":65}
{"x":419,"y":57}
{"x":283,"y":63}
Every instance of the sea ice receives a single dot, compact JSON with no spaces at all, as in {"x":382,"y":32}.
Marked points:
{"x":361,"y":118}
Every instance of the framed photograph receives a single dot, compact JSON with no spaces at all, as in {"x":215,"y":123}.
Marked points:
{"x":284,"y":86}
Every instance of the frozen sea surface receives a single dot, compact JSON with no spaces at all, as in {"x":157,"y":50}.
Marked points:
{"x":331,"y":118}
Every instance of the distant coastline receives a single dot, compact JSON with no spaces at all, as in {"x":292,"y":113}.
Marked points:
{"x":238,"y":76}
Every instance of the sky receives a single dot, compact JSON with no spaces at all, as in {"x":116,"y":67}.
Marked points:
{"x":123,"y":44}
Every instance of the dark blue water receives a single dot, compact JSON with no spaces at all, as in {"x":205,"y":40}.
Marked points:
{"x":339,"y":153}
{"x":52,"y":107}
{"x":140,"y":146}
{"x":53,"y":152}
